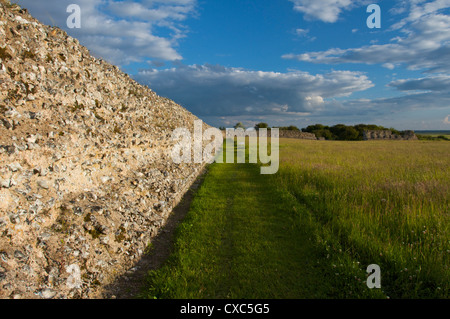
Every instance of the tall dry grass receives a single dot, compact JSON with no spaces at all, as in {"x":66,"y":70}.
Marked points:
{"x":376,"y":202}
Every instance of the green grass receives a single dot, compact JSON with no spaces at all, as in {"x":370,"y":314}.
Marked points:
{"x":239,"y":241}
{"x":244,"y":238}
{"x":378,"y":202}
{"x":311,"y":230}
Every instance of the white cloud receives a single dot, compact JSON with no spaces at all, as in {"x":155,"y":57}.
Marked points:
{"x":155,"y":11}
{"x":324,"y":10}
{"x":222,"y":96}
{"x":425,"y":45}
{"x":389,"y":66}
{"x":122,"y":31}
{"x":417,"y":9}
{"x":301,"y":32}
{"x":214,"y":90}
{"x":401,"y":112}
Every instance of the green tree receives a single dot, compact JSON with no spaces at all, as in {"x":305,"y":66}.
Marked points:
{"x":345,"y":133}
{"x":316,"y":127}
{"x":324,"y":133}
{"x":293,"y":128}
{"x":288,"y":128}
{"x":261,"y":125}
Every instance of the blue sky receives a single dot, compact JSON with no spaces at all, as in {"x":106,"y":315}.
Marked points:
{"x":284,"y":62}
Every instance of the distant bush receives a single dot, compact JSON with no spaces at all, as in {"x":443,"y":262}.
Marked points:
{"x":325,"y":133}
{"x":345,"y":133}
{"x":339,"y":132}
{"x":288,"y":128}
{"x":239,"y":125}
{"x":261,"y":125}
{"x":432,"y":138}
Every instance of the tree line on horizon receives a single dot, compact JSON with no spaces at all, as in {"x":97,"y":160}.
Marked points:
{"x":339,"y":132}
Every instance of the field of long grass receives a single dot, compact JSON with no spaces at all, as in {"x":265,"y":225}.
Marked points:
{"x":312,"y":229}
{"x":376,"y":202}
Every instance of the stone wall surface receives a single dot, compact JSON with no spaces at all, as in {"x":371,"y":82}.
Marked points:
{"x":281,"y":134}
{"x":297,"y":134}
{"x":388,"y":135}
{"x":86,"y":176}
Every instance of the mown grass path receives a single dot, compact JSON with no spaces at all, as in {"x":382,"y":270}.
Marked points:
{"x":241,"y":239}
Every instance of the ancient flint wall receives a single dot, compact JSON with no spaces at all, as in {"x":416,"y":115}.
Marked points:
{"x":388,"y":135}
{"x":86,"y":175}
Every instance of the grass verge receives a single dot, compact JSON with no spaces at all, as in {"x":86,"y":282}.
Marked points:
{"x":244,"y":238}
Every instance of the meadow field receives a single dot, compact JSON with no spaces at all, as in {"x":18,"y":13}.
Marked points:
{"x":381,"y":202}
{"x":311,"y":230}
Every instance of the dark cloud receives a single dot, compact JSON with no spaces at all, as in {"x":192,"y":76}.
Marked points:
{"x":208,"y":90}
{"x":440,"y":83}
{"x":225,"y":96}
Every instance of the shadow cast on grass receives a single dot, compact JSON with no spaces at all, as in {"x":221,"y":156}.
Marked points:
{"x":129,"y":285}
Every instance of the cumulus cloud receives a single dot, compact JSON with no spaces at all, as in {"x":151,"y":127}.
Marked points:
{"x":224,"y":96}
{"x":208,"y":90}
{"x":425,"y":45}
{"x":439,"y":83}
{"x":400,"y":104}
{"x":122,"y":31}
{"x":155,"y":11}
{"x":324,"y":10}
{"x":417,"y":9}
{"x":400,"y":112}
{"x":389,"y":66}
